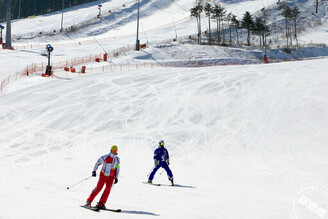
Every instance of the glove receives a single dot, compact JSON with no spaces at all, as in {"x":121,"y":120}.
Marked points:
{"x":115,"y":180}
{"x":94,"y":174}
{"x":156,"y":162}
{"x":168,"y":162}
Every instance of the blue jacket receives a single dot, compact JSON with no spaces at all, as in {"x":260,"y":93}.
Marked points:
{"x":161,"y":154}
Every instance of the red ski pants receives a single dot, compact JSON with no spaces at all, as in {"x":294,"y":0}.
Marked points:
{"x":102,"y":180}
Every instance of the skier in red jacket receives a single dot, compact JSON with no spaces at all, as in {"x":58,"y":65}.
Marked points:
{"x":108,"y":174}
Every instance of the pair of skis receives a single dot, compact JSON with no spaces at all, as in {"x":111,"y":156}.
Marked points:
{"x":93,"y":208}
{"x":157,"y":184}
{"x":98,"y":209}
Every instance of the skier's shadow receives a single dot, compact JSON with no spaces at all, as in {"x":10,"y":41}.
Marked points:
{"x":140,"y":212}
{"x":182,"y":186}
{"x":178,"y":185}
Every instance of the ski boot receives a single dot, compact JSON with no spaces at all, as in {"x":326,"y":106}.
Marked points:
{"x":172,"y":183}
{"x":101,"y":205}
{"x":150,"y":182}
{"x":87,"y":204}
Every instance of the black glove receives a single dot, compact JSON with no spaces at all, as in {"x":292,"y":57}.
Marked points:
{"x":168,"y":162}
{"x":94,"y":174}
{"x":115,"y":180}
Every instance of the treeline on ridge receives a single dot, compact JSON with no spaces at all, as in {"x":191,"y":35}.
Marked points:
{"x":35,"y":7}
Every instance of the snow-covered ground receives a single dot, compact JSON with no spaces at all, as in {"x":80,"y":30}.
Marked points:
{"x":242,"y":140}
{"x":119,"y":28}
{"x":246,"y":141}
{"x":189,"y":53}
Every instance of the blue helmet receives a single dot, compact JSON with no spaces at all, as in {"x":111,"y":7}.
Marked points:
{"x":161,"y":143}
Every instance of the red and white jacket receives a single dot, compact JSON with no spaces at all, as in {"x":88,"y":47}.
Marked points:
{"x":110,"y":165}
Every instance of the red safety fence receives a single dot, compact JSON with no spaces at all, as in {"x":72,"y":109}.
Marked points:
{"x":10,"y":79}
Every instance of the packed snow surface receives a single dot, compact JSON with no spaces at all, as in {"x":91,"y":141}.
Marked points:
{"x":242,"y":139}
{"x":160,"y":20}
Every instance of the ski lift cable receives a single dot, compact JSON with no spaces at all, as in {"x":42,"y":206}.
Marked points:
{"x":171,"y":13}
{"x":175,"y":27}
{"x":236,"y":11}
{"x":180,"y":6}
{"x":100,"y":45}
{"x":144,"y":32}
{"x":168,"y":11}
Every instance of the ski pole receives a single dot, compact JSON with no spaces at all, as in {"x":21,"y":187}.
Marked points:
{"x":79,"y":182}
{"x":161,"y":172}
{"x":150,"y":171}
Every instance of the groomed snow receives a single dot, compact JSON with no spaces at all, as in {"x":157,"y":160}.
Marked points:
{"x":242,"y":140}
{"x":119,"y":29}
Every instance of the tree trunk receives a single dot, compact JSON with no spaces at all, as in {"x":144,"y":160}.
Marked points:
{"x":209,"y":30}
{"x":295,"y":27}
{"x":230,"y":34}
{"x":290,"y":35}
{"x":197,"y":31}
{"x":200,"y":30}
{"x":217,"y":30}
{"x":248,"y":37}
{"x":316,"y":6}
{"x":286,"y":21}
{"x":223,"y":33}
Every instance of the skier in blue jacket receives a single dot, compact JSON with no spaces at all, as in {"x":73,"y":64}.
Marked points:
{"x":161,"y":159}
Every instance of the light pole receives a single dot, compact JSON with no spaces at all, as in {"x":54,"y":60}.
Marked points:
{"x":137,"y":42}
{"x":99,"y":13}
{"x":265,"y":33}
{"x":48,"y":68}
{"x":19,"y":9}
{"x":62,"y":19}
{"x":1,"y":28}
{"x":8,"y":32}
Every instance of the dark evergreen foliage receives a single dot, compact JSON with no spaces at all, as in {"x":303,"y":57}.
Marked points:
{"x":36,"y":7}
{"x":248,"y":23}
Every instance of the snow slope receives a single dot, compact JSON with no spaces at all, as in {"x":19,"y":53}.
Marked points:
{"x":122,"y":18}
{"x":242,"y":140}
{"x":115,"y":30}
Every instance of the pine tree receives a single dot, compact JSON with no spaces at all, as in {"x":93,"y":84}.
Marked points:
{"x":230,"y":25}
{"x":287,"y":15}
{"x":247,"y":22}
{"x":196,"y":12}
{"x":294,"y":14}
{"x":218,"y":14}
{"x":208,"y":12}
{"x":36,"y":7}
{"x":259,"y":29}
{"x":236,"y":25}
